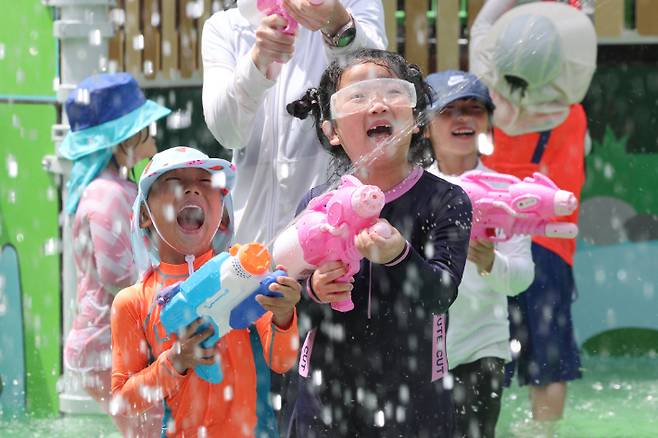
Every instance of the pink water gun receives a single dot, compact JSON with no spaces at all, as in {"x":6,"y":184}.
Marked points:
{"x":504,"y":206}
{"x":255,"y":10}
{"x":325,"y":231}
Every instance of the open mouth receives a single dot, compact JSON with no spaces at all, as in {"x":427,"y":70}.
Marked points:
{"x":463,"y":132}
{"x":191,"y":218}
{"x":380,"y":131}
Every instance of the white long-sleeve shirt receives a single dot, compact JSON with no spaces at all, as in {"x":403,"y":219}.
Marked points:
{"x":477,"y":321}
{"x":278,"y":157}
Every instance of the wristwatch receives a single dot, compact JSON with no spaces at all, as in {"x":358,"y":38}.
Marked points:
{"x":343,"y":37}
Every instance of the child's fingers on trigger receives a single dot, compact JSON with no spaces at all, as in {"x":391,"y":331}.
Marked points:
{"x":284,"y":281}
{"x":204,"y":353}
{"x":188,"y":331}
{"x":202,"y":335}
{"x":206,"y":360}
{"x":337,"y":287}
{"x":336,"y":297}
{"x":273,"y":303}
{"x":331,"y":276}
{"x":330,"y":266}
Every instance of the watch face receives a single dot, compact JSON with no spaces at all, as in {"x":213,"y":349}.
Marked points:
{"x":346,"y":37}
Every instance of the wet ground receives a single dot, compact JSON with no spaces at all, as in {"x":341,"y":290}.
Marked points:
{"x":617,"y":398}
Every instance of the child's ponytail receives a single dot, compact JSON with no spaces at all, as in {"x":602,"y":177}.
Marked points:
{"x":308,"y":103}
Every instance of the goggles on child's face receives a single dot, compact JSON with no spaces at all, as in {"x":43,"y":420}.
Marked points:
{"x":359,"y":96}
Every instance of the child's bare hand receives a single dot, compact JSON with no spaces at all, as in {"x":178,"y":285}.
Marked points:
{"x":380,"y":249}
{"x":272,"y":45}
{"x":283,"y":308}
{"x":324,"y":284}
{"x":481,"y":252}
{"x":187,"y":351}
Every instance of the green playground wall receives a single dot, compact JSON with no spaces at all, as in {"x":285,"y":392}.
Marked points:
{"x":29,"y":199}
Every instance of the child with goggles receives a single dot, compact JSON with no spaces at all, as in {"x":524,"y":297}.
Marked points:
{"x":360,"y":96}
{"x":377,"y":370}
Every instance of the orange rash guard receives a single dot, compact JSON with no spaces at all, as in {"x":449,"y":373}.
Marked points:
{"x":142,"y":374}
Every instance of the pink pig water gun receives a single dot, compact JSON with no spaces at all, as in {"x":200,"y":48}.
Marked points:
{"x":504,"y":206}
{"x":255,"y":10}
{"x":325,"y":231}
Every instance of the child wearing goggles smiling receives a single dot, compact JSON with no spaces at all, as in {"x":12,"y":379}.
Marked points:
{"x":377,"y":370}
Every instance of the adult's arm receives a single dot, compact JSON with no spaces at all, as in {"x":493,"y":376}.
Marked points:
{"x":370,"y":30}
{"x":233,"y":87}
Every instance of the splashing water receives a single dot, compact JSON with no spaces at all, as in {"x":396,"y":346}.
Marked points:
{"x":95,"y":37}
{"x":12,"y":166}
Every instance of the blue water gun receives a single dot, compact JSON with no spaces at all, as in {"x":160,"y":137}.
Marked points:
{"x":223,"y":293}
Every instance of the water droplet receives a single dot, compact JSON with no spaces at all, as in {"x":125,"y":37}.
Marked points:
{"x":155,"y":19}
{"x":33,"y":51}
{"x":194,"y":9}
{"x":276,"y":402}
{"x":448,"y":382}
{"x":2,"y":51}
{"x":179,"y":120}
{"x":284,"y":170}
{"x":218,"y":180}
{"x":19,"y":237}
{"x":166,"y":48}
{"x":485,"y":145}
{"x":148,"y":67}
{"x":12,"y":166}
{"x":118,"y":16}
{"x":228,"y":393}
{"x":138,"y":42}
{"x":95,"y":37}
{"x":169,"y":213}
{"x":51,"y":247}
{"x":379,"y":419}
{"x":515,"y":347}
{"x":82,"y":96}
{"x":317,"y":377}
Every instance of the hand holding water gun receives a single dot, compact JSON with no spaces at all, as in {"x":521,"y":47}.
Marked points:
{"x":255,"y":10}
{"x":504,"y":206}
{"x":327,"y":229}
{"x":223,"y":294}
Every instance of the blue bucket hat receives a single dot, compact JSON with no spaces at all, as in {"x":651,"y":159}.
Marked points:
{"x":452,"y":85}
{"x":145,"y":254}
{"x":103,"y":111}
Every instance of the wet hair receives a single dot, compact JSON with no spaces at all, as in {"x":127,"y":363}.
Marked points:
{"x":316,"y":101}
